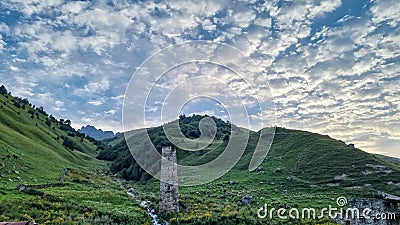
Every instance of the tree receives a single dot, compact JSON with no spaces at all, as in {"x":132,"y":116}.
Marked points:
{"x":68,"y":143}
{"x":3,"y":90}
{"x":48,"y":122}
{"x":226,"y":138}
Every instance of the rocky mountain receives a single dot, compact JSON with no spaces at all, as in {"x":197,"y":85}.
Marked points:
{"x":93,"y":132}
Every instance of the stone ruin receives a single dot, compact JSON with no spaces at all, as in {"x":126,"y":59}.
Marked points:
{"x":381,"y":203}
{"x":169,"y":197}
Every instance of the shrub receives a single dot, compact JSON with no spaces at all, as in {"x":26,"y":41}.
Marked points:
{"x":69,"y":143}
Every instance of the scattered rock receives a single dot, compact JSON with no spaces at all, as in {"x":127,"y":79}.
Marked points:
{"x":131,"y":190}
{"x":341,"y":177}
{"x":20,"y":187}
{"x":247,"y":200}
{"x":332,"y":184}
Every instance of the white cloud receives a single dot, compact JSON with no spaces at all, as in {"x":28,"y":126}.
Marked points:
{"x":96,"y":102}
{"x":343,"y":81}
{"x":2,"y":43}
{"x":386,"y":11}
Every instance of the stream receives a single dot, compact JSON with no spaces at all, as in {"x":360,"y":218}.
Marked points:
{"x":146,"y":204}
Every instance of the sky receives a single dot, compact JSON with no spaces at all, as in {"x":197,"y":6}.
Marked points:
{"x":331,"y":66}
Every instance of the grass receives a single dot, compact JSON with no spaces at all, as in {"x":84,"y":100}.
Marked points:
{"x":30,"y":151}
{"x":85,"y":199}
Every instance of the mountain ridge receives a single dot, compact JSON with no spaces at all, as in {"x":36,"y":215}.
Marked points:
{"x":98,"y":134}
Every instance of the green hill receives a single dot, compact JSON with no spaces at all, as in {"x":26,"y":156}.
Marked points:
{"x":34,"y":150}
{"x":35,"y":147}
{"x":311,"y":159}
{"x":302,"y":169}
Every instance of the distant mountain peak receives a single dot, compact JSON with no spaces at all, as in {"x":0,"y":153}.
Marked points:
{"x":93,"y":132}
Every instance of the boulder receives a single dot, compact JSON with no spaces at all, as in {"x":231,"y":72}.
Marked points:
{"x":247,"y":200}
{"x":278,"y":170}
{"x":131,"y":190}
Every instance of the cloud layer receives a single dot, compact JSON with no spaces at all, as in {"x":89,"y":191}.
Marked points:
{"x":333,"y":66}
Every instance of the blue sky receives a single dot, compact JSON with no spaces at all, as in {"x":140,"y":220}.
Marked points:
{"x":333,"y":66}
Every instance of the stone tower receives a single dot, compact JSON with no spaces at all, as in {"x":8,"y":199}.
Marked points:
{"x":169,"y":201}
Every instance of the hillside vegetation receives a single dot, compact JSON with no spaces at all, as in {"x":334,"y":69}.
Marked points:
{"x":34,"y":149}
{"x":302,"y":169}
{"x":311,"y":159}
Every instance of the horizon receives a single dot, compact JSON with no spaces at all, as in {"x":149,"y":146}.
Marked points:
{"x":330,"y":67}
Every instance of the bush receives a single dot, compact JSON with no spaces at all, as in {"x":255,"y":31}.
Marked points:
{"x":17,"y":104}
{"x":69,"y":143}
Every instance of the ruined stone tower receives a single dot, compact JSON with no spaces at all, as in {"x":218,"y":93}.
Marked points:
{"x":169,"y":201}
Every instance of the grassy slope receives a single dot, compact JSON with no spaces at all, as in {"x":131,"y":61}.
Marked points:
{"x":315,"y":163}
{"x":388,"y":158}
{"x":32,"y":153}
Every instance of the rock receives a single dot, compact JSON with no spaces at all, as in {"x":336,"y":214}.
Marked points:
{"x":272,"y":183}
{"x":261,"y":182}
{"x":258,"y":169}
{"x":278,"y":170}
{"x":247,"y":200}
{"x":289,"y":178}
{"x":20,"y":187}
{"x":232,"y":182}
{"x":16,"y":172}
{"x":277,"y":190}
{"x":131,"y":190}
